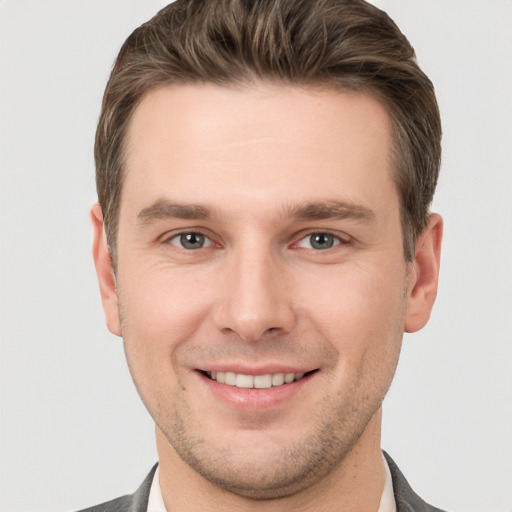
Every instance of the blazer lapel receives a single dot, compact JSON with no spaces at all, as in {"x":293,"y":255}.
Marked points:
{"x":406,"y":499}
{"x":139,"y":500}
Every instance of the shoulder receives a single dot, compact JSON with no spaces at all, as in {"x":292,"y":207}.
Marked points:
{"x":406,"y":499}
{"x":122,"y":504}
{"x":136,"y":502}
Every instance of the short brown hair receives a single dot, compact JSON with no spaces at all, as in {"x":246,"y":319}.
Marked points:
{"x":340,"y":44}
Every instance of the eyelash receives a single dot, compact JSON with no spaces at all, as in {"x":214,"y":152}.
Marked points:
{"x":198,"y":234}
{"x":335,"y":240}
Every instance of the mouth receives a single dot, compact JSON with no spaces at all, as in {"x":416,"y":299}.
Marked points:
{"x":244,"y":381}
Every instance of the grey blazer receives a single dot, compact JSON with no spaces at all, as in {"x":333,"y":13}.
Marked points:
{"x":406,"y":499}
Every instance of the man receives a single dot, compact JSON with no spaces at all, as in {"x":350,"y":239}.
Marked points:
{"x":262,"y":242}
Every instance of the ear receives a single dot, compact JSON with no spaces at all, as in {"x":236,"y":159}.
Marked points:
{"x":424,"y":275}
{"x":105,"y":272}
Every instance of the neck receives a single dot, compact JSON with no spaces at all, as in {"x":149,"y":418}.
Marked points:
{"x":354,"y":485}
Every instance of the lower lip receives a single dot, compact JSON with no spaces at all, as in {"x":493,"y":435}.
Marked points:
{"x":255,"y":399}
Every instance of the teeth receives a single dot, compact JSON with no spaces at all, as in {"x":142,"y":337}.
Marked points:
{"x":244,"y":381}
{"x":277,"y":379}
{"x":254,"y":381}
{"x":263,"y":381}
{"x":288,"y":377}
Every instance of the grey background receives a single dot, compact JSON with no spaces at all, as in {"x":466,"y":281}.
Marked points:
{"x":73,"y":430}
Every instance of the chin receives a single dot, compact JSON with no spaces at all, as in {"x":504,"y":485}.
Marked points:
{"x":263,"y":480}
{"x":260,"y":469}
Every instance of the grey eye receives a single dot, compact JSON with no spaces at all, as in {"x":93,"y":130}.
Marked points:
{"x":191,"y":241}
{"x":319,"y":241}
{"x":322,"y":241}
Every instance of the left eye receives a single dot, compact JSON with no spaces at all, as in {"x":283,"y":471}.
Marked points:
{"x":319,"y":241}
{"x":191,"y":241}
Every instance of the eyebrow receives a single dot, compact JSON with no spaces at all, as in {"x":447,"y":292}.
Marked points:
{"x":338,"y":210}
{"x":162,"y":210}
{"x":321,"y":210}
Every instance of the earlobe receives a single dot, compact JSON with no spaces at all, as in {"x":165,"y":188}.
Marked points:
{"x":424,"y":275}
{"x":105,"y":271}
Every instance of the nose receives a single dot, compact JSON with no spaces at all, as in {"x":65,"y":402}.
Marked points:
{"x":255,"y":299}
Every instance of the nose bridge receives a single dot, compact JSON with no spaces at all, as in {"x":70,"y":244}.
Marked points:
{"x":254,"y":301}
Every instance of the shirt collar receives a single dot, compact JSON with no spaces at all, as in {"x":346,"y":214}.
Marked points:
{"x":155,"y":501}
{"x":387,"y":500}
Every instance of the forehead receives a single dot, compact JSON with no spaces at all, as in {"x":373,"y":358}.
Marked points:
{"x":201,"y":139}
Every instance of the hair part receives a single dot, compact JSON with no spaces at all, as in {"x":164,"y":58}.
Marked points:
{"x":339,"y":44}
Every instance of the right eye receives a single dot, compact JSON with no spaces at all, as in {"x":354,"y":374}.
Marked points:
{"x":320,"y":241}
{"x":190,"y":241}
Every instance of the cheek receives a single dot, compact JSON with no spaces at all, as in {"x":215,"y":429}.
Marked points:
{"x":158,"y":316}
{"x":360,"y":312}
{"x":159,"y":311}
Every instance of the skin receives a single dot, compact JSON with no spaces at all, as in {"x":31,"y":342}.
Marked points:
{"x":256,"y":171}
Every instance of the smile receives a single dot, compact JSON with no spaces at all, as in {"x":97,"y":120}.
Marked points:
{"x":240,"y":380}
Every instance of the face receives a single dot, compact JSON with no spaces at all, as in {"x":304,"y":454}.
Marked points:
{"x":261,"y":281}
